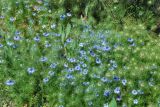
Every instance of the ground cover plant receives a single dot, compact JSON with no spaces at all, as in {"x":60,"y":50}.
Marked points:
{"x":61,"y":54}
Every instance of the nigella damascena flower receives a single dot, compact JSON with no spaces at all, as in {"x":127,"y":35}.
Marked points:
{"x":90,"y":103}
{"x":17,"y":33}
{"x":119,"y":98}
{"x":84,"y":65}
{"x":85,"y":72}
{"x":53,"y":65}
{"x":53,"y":26}
{"x":69,"y":40}
{"x":134,"y":92}
{"x":106,"y":105}
{"x":12,"y":19}
{"x":104,"y":79}
{"x":47,"y":45}
{"x":51,"y":73}
{"x":117,"y":90}
{"x":98,"y":61}
{"x":116,"y":78}
{"x":31,"y":70}
{"x":135,"y":101}
{"x":92,"y":53}
{"x":17,"y":38}
{"x":57,"y":34}
{"x":97,"y":76}
{"x":14,"y":46}
{"x":10,"y":82}
{"x":77,"y":67}
{"x":140,"y":92}
{"x":69,"y":76}
{"x":82,"y":52}
{"x":130,"y":40}
{"x":85,"y":83}
{"x":37,"y":38}
{"x":1,"y":45}
{"x":111,"y":68}
{"x":43,"y":59}
{"x":62,"y":17}
{"x":70,"y":70}
{"x":1,"y":17}
{"x":81,"y":44}
{"x":45,"y":80}
{"x":124,"y":81}
{"x":72,"y":60}
{"x":45,"y":34}
{"x":133,"y":44}
{"x":114,"y":65}
{"x":65,"y":65}
{"x":69,"y":14}
{"x":107,"y":93}
{"x":9,"y":43}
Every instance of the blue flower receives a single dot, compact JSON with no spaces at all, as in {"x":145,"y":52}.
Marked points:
{"x":69,"y":40}
{"x":53,"y":65}
{"x":82,"y":52}
{"x":37,"y":38}
{"x":130,"y":40}
{"x":111,"y":68}
{"x":90,"y":103}
{"x":1,"y":45}
{"x":78,"y":68}
{"x":104,"y":79}
{"x":84,"y":65}
{"x":124,"y":81}
{"x":45,"y":80}
{"x":65,"y":65}
{"x":133,"y":44}
{"x":69,"y":14}
{"x":114,"y":65}
{"x":72,"y":60}
{"x":53,"y":26}
{"x":17,"y":32}
{"x":134,"y":92}
{"x":70,"y":70}
{"x":45,"y":34}
{"x":106,"y":93}
{"x":47,"y":45}
{"x":62,"y":17}
{"x":92,"y":53}
{"x":51,"y":73}
{"x":14,"y":46}
{"x":81,"y":44}
{"x":116,"y":78}
{"x":85,"y":83}
{"x":12,"y":19}
{"x":98,"y":61}
{"x":1,"y":17}
{"x":107,"y":48}
{"x":119,"y":98}
{"x":69,"y":76}
{"x":17,"y":38}
{"x":140,"y":92}
{"x":43,"y":59}
{"x":10,"y":82}
{"x":85,"y":72}
{"x":135,"y":101}
{"x":117,"y":90}
{"x":31,"y":70}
